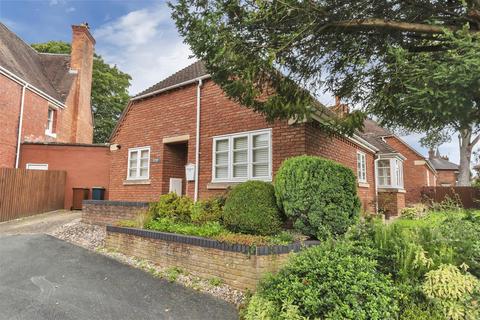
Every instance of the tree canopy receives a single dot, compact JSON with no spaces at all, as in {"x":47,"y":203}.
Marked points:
{"x":109,"y":90}
{"x":405,"y":62}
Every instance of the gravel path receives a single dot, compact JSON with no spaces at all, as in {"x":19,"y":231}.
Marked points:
{"x":92,"y":237}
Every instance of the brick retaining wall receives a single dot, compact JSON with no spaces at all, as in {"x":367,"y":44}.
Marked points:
{"x":102,"y":212}
{"x":239,"y":266}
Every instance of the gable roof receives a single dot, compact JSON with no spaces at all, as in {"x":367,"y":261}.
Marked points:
{"x":193,"y":71}
{"x":443,"y":164}
{"x":48,"y":72}
{"x":373,"y":133}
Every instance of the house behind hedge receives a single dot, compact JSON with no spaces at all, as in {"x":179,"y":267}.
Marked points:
{"x":156,"y":139}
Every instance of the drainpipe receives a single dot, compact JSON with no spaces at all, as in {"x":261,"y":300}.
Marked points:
{"x":20,"y":125}
{"x":375,"y":164}
{"x":197,"y":140}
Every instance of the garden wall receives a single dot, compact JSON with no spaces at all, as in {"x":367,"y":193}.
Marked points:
{"x":239,"y":266}
{"x":104,"y":213}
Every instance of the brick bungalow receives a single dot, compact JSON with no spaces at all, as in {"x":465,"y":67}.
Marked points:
{"x":186,"y":120}
{"x":45,"y":100}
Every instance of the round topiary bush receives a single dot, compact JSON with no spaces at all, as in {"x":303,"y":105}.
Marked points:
{"x":319,"y":195}
{"x":335,"y":280}
{"x":251,"y":208}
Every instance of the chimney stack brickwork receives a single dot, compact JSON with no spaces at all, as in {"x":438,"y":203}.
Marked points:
{"x":82,"y":62}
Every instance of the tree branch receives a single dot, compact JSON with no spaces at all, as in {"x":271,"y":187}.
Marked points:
{"x":475,"y":141}
{"x":394,"y":25}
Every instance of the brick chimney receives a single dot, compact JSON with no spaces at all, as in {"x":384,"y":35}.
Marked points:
{"x":81,"y":63}
{"x":341,"y":109}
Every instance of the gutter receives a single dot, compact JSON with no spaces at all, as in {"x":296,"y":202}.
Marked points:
{"x":181,"y":84}
{"x":375,"y":165}
{"x":31,"y":87}
{"x":197,"y":138}
{"x":20,"y":126}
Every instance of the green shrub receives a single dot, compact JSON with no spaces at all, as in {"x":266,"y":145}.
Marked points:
{"x":335,"y":280}
{"x":207,"y":210}
{"x":208,"y":229}
{"x":455,"y":293}
{"x":128,"y":224}
{"x":178,"y":208}
{"x":319,"y":195}
{"x":251,"y":208}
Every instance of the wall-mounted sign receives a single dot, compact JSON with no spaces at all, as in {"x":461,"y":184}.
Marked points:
{"x":190,"y":172}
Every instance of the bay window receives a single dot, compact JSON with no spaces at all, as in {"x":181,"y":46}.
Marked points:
{"x":243,"y":156}
{"x":138,"y":163}
{"x":390,"y":173}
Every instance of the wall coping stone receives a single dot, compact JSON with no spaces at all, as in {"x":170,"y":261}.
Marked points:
{"x":116,"y":203}
{"x":214,"y":244}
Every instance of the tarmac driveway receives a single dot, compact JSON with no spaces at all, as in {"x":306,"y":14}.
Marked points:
{"x":42,"y":277}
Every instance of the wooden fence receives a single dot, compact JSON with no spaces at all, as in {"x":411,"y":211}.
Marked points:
{"x":28,"y":192}
{"x":468,"y":196}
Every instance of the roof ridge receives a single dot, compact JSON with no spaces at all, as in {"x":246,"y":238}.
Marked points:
{"x":54,"y":54}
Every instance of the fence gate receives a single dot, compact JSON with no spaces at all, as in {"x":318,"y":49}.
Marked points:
{"x":28,"y":192}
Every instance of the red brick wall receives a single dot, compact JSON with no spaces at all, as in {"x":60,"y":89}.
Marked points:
{"x":391,"y":203}
{"x":86,"y":166}
{"x":414,"y":175}
{"x":173,"y":113}
{"x":446,"y":177}
{"x":10,"y":95}
{"x":341,"y":150}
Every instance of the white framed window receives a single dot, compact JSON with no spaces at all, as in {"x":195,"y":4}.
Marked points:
{"x":242,"y":156}
{"x":37,"y":166}
{"x":138,"y":163}
{"x":361,"y":167}
{"x":390,"y":173}
{"x":50,"y":120}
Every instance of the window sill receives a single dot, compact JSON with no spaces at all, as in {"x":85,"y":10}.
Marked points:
{"x":221,"y":185}
{"x":136,"y":182}
{"x":391,"y":189}
{"x":50,"y":134}
{"x":363,"y":185}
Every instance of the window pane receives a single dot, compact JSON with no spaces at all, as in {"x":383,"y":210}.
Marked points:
{"x":144,"y":163}
{"x":134,"y":155}
{"x":133,"y":164}
{"x":145,"y":153}
{"x":240,"y":171}
{"x":132,"y":173}
{"x":260,"y":140}
{"x":221,"y":172}
{"x":143,"y":172}
{"x":260,"y":155}
{"x":240,"y":156}
{"x":240,"y":143}
{"x":221,"y":158}
{"x":260,"y":170}
{"x":222,"y":145}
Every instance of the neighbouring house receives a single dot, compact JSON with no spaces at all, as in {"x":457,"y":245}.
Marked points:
{"x":184,"y":135}
{"x":447,"y":171}
{"x":46,"y":118}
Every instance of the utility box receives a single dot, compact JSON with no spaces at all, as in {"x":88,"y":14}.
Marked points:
{"x":190,"y":172}
{"x":79,"y":194}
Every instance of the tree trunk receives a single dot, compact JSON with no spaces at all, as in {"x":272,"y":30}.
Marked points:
{"x":466,"y":147}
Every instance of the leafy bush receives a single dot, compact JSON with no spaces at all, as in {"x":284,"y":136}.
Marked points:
{"x":209,"y":229}
{"x":178,"y":208}
{"x":207,"y":210}
{"x":455,"y":293}
{"x":318,"y":194}
{"x":251,"y":208}
{"x":414,"y":212}
{"x":335,"y":280}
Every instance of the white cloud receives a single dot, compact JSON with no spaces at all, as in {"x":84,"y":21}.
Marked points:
{"x":145,"y":44}
{"x":70,"y":9}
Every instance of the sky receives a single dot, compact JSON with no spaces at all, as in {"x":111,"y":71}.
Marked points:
{"x":136,"y":35}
